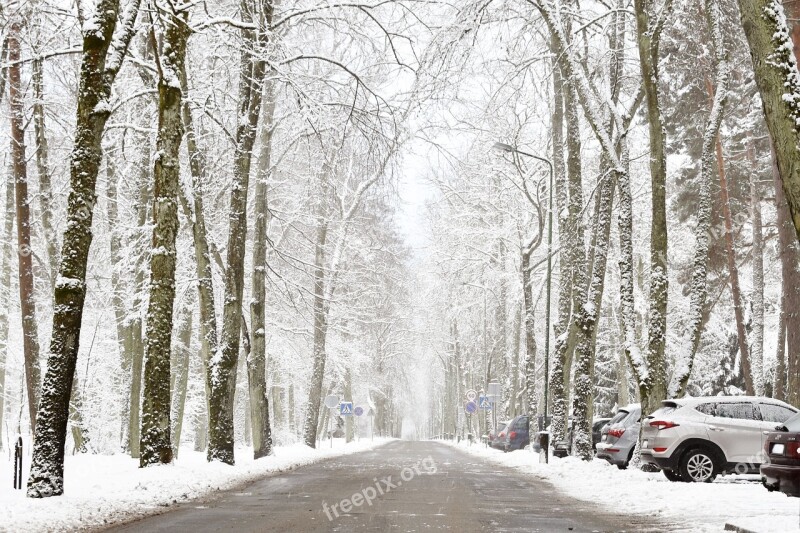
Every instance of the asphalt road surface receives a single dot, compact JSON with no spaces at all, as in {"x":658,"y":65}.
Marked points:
{"x":401,"y":486}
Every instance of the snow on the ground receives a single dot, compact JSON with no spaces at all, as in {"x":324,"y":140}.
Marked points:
{"x":105,"y":489}
{"x":702,"y":507}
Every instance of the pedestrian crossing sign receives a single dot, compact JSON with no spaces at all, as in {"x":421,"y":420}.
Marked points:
{"x":346,"y":408}
{"x":484,"y":403}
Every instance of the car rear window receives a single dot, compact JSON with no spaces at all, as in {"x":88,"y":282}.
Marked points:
{"x":793,"y":424}
{"x":619,"y":417}
{"x":663,"y":411}
{"x":771,"y":412}
{"x":740,"y":411}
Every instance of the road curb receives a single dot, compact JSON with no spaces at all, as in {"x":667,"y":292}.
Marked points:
{"x":734,"y":527}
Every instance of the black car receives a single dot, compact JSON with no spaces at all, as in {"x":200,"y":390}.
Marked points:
{"x":597,"y":428}
{"x":517,"y":436}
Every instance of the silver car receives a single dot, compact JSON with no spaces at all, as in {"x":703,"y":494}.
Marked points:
{"x":618,"y":438}
{"x":695,"y":439}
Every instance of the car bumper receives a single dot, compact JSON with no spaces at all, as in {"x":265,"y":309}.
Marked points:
{"x":783,"y":478}
{"x":664,"y":463}
{"x":612,"y":454}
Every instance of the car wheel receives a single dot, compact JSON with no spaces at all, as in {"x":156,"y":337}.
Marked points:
{"x":698,"y":465}
{"x":673,"y":475}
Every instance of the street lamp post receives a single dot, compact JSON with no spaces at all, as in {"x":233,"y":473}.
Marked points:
{"x":508,"y":148}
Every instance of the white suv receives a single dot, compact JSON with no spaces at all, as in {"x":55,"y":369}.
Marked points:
{"x":694,"y":439}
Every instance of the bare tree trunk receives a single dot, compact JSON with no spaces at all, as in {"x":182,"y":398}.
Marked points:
{"x":291,"y":408}
{"x":256,"y":363}
{"x":156,"y":445}
{"x":733,"y":270}
{"x":180,"y":377}
{"x":30,"y":335}
{"x":119,"y":291}
{"x":757,"y":338}
{"x":79,"y":435}
{"x":320,"y":334}
{"x":223,"y":365}
{"x":514,"y":407}
{"x":98,"y":71}
{"x":779,"y":383}
{"x":6,"y":249}
{"x":530,"y":339}
{"x":790,"y":291}
{"x":43,"y":170}
{"x":349,"y":434}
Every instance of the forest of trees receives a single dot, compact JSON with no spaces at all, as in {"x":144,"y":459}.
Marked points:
{"x":212,"y":231}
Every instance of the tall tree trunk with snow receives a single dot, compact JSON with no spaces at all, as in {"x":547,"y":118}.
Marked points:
{"x":778,"y":81}
{"x":648,"y":45}
{"x":222,"y":371}
{"x":587,"y":321}
{"x":757,"y":338}
{"x":530,"y":338}
{"x":569,"y":202}
{"x":789,"y":251}
{"x":320,"y":331}
{"x":30,"y":335}
{"x":98,"y":70}
{"x":156,"y":444}
{"x":698,"y":287}
{"x":256,"y":363}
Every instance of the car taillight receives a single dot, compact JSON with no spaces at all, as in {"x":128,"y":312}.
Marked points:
{"x":793,"y":450}
{"x":663,"y":424}
{"x":616,"y":432}
{"x":659,"y":449}
{"x":513,"y":435}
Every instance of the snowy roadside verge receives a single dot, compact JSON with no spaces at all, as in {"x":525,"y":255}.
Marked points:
{"x":105,"y":489}
{"x":701,"y":507}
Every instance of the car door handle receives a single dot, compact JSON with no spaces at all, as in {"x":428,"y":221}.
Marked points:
{"x":765,"y":432}
{"x":715,"y":428}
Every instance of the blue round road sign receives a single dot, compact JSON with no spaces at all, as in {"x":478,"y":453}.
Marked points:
{"x":358,"y":411}
{"x":470,"y":407}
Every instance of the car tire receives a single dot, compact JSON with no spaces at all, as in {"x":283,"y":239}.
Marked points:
{"x":699,"y":465}
{"x":673,"y":475}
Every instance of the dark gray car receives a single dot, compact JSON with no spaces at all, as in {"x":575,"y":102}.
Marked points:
{"x":618,"y":438}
